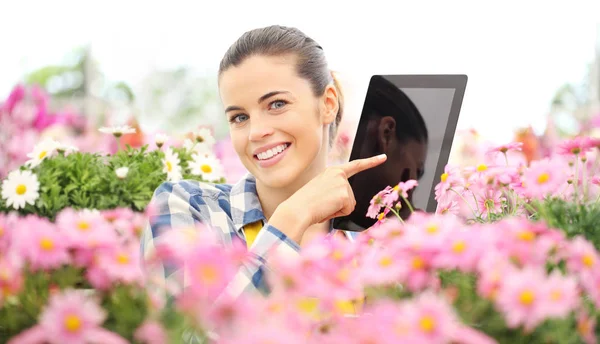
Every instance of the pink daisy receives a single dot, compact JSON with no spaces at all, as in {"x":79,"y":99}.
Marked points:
{"x":577,"y":146}
{"x":562,"y":295}
{"x":545,"y":178}
{"x":447,"y":180}
{"x":121,"y":264}
{"x":150,"y":332}
{"x":431,"y":318}
{"x":582,"y":257}
{"x":521,"y":299}
{"x":69,"y":318}
{"x":42,"y":245}
{"x":513,"y":146}
{"x":378,"y":202}
{"x":86,"y":229}
{"x":11,"y":278}
{"x":399,"y":190}
{"x":489,"y":201}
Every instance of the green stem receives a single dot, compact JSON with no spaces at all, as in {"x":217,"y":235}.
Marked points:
{"x":575,"y":180}
{"x":464,"y":200}
{"x":505,"y":158}
{"x":410,"y":207}
{"x":396,"y":213}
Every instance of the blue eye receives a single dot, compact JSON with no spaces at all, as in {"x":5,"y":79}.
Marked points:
{"x":277,"y":104}
{"x":238,"y":118}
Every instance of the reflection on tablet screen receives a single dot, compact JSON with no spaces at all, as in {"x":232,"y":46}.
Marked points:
{"x":410,"y":125}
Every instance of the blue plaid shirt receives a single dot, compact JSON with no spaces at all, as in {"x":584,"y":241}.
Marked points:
{"x":226,"y":209}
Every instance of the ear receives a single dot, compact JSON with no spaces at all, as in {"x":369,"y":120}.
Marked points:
{"x":386,"y":133}
{"x":329,"y":105}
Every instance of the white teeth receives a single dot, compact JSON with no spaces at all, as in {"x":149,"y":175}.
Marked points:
{"x":271,"y":152}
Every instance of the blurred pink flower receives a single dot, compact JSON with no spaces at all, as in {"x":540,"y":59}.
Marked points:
{"x":11,"y":277}
{"x":85,"y":229}
{"x":41,"y":244}
{"x":562,"y":295}
{"x":150,"y":332}
{"x":399,"y":190}
{"x":513,"y":146}
{"x":121,"y":264}
{"x":547,"y":177}
{"x":582,"y":257}
{"x":69,"y":318}
{"x":462,"y":250}
{"x":234,"y":169}
{"x":577,"y":146}
{"x":489,"y":201}
{"x":430,"y":319}
{"x":521,"y":299}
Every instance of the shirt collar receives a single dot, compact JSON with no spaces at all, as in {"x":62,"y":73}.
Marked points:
{"x":246,"y":208}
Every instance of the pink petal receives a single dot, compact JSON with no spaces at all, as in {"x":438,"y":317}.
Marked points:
{"x":33,"y":335}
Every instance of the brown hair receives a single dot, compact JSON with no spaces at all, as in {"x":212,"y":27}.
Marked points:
{"x":279,"y":40}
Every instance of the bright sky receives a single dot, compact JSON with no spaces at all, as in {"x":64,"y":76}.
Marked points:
{"x":516,"y":53}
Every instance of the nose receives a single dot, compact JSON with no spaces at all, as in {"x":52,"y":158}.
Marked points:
{"x":259,"y":128}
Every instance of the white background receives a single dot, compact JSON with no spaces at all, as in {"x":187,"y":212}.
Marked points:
{"x":516,"y":53}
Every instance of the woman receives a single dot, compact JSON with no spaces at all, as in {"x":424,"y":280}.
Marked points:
{"x":284,"y":107}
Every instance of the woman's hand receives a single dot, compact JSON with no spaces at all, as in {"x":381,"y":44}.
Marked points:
{"x":326,"y":196}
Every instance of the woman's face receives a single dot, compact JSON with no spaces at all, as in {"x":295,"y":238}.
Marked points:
{"x":277,"y":125}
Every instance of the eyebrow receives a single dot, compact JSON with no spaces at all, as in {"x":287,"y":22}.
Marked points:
{"x":260,"y":100}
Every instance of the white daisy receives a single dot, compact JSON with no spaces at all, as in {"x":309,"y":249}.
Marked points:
{"x":204,"y":136}
{"x":118,"y":131}
{"x":19,"y":188}
{"x":121,"y":172}
{"x":197,"y":147}
{"x":171,"y":165}
{"x":66,"y":149}
{"x":206,"y":166}
{"x":160,"y":139}
{"x":44,"y":149}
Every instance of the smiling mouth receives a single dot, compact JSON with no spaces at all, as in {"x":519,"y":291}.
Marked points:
{"x":273,"y":152}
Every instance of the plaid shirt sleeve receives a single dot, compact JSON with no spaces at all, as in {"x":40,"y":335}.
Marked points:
{"x":181,"y":205}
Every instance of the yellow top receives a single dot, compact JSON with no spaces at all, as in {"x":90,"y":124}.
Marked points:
{"x":310,"y":305}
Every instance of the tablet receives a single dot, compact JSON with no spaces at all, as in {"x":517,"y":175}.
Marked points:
{"x":412,"y":119}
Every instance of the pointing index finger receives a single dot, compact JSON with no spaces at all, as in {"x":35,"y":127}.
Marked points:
{"x":353,"y":167}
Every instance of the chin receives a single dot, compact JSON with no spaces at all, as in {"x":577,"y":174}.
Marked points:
{"x":277,"y":178}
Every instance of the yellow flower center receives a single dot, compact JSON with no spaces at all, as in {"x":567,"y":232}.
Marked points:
{"x":169,"y":166}
{"x":556,"y":295}
{"x":21,"y":189}
{"x":1,"y":231}
{"x":588,"y":260}
{"x":46,"y":244}
{"x":526,"y":235}
{"x":431,"y":228}
{"x":42,"y":155}
{"x":337,"y":255}
{"x":583,"y":327}
{"x":380,"y":216}
{"x":444,"y":177}
{"x":83,"y":226}
{"x":72,"y":323}
{"x":206,"y":168}
{"x":343,"y":275}
{"x":385,"y":261}
{"x":459,"y":247}
{"x":307,"y":305}
{"x":526,"y":297}
{"x":418,"y":263}
{"x":543,"y":178}
{"x":427,"y":324}
{"x":482,"y":167}
{"x":122,"y":258}
{"x":208,"y":274}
